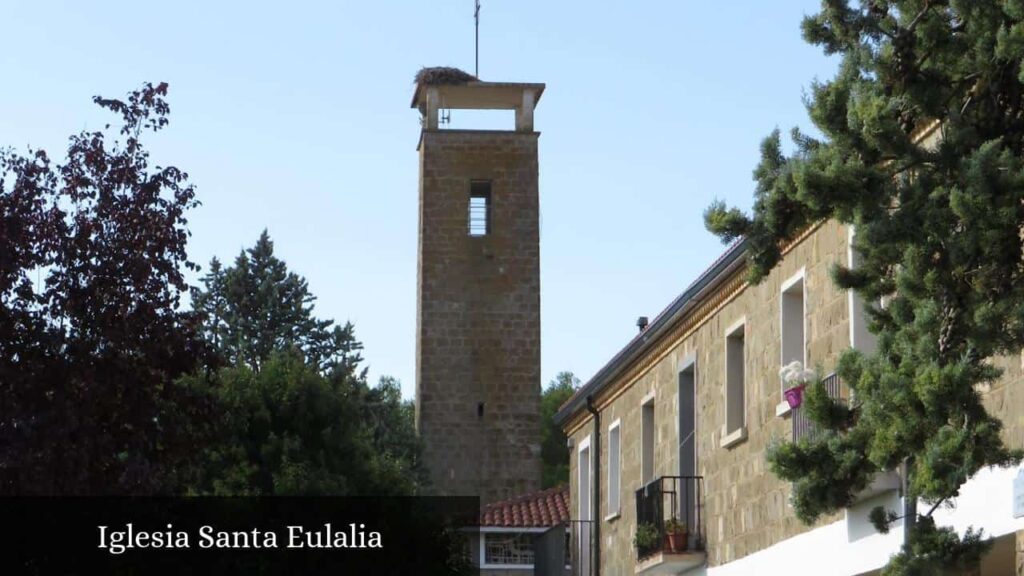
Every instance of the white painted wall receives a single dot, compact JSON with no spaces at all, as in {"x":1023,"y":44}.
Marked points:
{"x":984,"y":502}
{"x":850,"y":546}
{"x":824,"y":551}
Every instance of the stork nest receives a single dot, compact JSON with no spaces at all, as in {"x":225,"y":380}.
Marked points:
{"x":443,"y":75}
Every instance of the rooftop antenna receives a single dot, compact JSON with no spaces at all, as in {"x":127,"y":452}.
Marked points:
{"x":476,"y":17}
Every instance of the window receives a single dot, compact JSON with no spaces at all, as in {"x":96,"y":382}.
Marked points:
{"x":687,"y":399}
{"x":794,"y":321}
{"x":517,"y":549}
{"x":584,"y":490}
{"x":687,"y":499}
{"x":735,"y":386}
{"x":647,"y":439}
{"x":793,"y":326}
{"x":513,"y":549}
{"x":479,"y":208}
{"x":614,"y":468}
{"x":860,"y":338}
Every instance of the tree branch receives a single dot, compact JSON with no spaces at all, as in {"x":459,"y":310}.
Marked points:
{"x":934,"y":507}
{"x":913,"y":23}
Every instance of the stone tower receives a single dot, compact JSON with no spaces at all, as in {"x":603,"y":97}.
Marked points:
{"x":478,"y":308}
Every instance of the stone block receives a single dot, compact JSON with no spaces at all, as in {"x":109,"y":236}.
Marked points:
{"x":478,"y":337}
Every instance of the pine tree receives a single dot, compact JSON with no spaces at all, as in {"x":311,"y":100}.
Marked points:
{"x":212,"y":304}
{"x":299,"y":417}
{"x":939,"y":231}
{"x":258,"y":307}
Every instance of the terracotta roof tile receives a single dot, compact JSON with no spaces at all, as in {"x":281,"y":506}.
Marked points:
{"x":536,"y":510}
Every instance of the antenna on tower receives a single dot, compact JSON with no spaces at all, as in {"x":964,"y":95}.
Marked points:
{"x":476,"y":17}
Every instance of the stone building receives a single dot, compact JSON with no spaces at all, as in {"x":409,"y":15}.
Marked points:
{"x":677,"y":423}
{"x":507,"y":540}
{"x":478,"y":308}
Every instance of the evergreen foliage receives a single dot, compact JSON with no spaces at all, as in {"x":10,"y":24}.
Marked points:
{"x":258,"y":307}
{"x":938,"y":229}
{"x":299,"y":416}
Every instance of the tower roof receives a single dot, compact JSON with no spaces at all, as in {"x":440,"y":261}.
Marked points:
{"x":462,"y":91}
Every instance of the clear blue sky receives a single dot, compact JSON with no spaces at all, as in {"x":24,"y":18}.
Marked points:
{"x":294,"y":116}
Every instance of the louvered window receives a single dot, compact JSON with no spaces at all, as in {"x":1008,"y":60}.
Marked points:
{"x":479,"y":208}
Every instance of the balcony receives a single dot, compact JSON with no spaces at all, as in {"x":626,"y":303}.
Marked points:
{"x":666,"y":508}
{"x":804,"y":428}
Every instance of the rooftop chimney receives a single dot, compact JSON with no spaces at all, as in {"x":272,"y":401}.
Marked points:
{"x":641,"y":323}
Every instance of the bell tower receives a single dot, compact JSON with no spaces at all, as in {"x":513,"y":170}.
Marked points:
{"x":478,"y":303}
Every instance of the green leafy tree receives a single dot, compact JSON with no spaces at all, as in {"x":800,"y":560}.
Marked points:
{"x":554,"y":455}
{"x":258,"y":307}
{"x":393,"y":423}
{"x":92,"y":338}
{"x":290,"y":429}
{"x":938,"y":228}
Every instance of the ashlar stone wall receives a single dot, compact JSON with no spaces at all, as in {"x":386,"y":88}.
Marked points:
{"x":478,"y":316}
{"x":746,"y":508}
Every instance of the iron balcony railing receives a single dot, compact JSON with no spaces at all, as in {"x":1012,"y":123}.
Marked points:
{"x":803,"y":427}
{"x":669,"y":516}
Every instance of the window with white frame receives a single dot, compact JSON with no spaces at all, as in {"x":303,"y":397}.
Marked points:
{"x":735,"y":380}
{"x":508,"y":549}
{"x":513,"y":549}
{"x":647,"y":440}
{"x":614,"y":467}
{"x":860,"y":337}
{"x":793,"y":321}
{"x":583,"y":492}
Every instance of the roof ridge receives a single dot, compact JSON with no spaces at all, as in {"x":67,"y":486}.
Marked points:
{"x":530,"y":495}
{"x":664,"y":314}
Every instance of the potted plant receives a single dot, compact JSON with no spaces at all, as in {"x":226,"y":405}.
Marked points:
{"x":795,"y":377}
{"x":646,"y":538}
{"x":675,"y":535}
{"x":794,"y":395}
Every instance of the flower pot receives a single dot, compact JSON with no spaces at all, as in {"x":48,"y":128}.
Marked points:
{"x":676,"y":541}
{"x":794,"y":396}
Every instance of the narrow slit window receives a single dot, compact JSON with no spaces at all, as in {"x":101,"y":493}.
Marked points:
{"x":479,"y":208}
{"x":794,"y":322}
{"x":583,"y":492}
{"x":735,"y":417}
{"x":614,"y":468}
{"x":860,"y":337}
{"x":647,"y":441}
